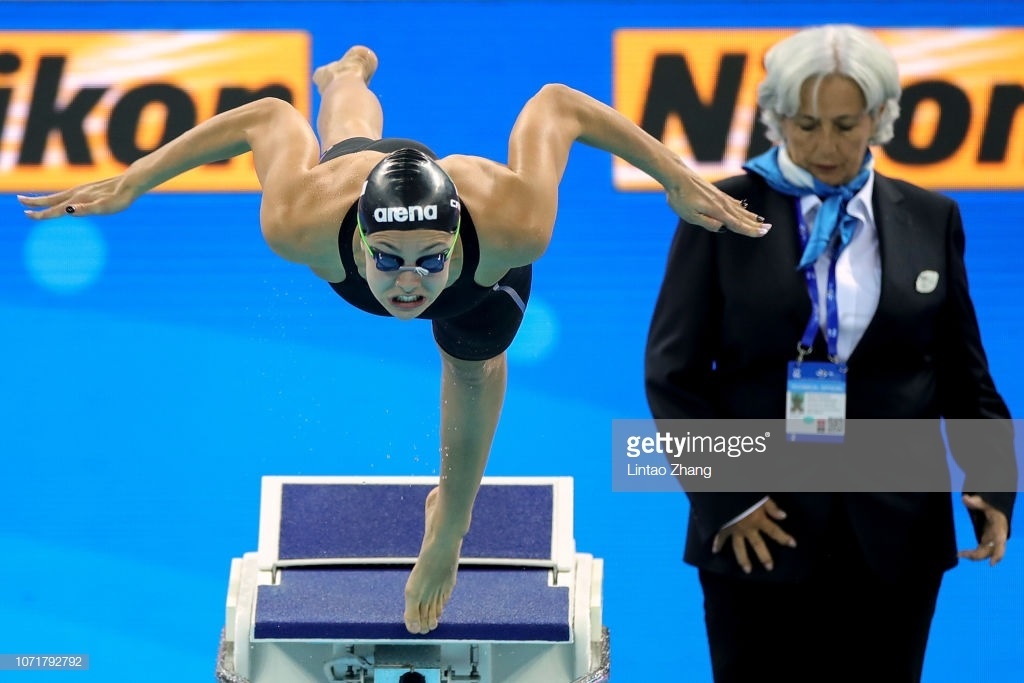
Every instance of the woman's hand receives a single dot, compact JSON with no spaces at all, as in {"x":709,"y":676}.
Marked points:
{"x":697,"y":201}
{"x":996,"y":530}
{"x":752,"y":530}
{"x":92,"y":199}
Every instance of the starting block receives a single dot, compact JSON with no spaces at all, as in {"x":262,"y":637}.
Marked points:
{"x":321,"y":600}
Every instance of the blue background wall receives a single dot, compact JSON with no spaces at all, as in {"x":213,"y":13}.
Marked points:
{"x":140,"y":406}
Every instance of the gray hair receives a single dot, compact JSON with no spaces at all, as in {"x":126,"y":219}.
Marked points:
{"x":817,"y":52}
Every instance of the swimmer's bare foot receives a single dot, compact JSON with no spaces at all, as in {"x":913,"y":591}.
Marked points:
{"x":359,"y":59}
{"x":433,"y":577}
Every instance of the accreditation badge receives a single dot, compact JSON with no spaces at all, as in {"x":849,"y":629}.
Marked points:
{"x":815,"y":402}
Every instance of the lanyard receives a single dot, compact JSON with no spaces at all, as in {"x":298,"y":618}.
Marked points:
{"x":831,"y":308}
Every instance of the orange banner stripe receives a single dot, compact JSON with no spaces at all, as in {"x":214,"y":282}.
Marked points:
{"x":963,"y":98}
{"x":79,"y":106}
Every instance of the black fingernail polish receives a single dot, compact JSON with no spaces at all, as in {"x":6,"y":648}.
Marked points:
{"x":69,"y":209}
{"x":760,"y":219}
{"x":743,"y":203}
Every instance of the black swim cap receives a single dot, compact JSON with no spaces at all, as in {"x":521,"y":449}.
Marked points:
{"x":407,"y":190}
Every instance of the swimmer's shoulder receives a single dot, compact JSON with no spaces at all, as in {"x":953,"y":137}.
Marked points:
{"x":492,"y":193}
{"x":305,"y":229}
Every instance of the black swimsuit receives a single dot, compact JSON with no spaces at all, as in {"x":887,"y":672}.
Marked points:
{"x":470,"y":321}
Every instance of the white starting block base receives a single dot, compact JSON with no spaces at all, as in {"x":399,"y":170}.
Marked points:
{"x":322,"y":599}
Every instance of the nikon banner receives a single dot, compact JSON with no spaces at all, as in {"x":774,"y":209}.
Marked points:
{"x":962,"y":121}
{"x":80,"y":106}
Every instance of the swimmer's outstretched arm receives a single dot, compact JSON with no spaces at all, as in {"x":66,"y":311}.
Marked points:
{"x":271,"y":127}
{"x":301,"y":204}
{"x":548,"y":125}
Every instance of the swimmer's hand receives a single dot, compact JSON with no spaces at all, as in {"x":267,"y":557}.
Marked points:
{"x":92,"y":199}
{"x":697,"y":201}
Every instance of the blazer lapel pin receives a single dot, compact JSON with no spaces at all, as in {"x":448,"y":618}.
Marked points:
{"x":927,"y":280}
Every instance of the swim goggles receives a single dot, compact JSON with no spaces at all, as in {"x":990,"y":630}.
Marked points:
{"x":431,"y":264}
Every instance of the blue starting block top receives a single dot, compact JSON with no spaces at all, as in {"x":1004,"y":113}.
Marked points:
{"x":340,"y":550}
{"x":386,"y":521}
{"x":359,"y":603}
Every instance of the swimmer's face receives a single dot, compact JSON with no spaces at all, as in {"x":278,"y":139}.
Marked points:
{"x":405,"y":294}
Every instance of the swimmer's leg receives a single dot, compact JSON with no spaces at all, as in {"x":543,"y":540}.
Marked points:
{"x":348,"y":108}
{"x":472,"y":393}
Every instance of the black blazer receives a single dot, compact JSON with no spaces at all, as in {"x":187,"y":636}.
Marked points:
{"x":729,"y":315}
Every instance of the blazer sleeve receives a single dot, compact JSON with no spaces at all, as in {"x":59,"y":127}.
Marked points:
{"x":978,"y":424}
{"x":681,"y":348}
{"x":683,"y":334}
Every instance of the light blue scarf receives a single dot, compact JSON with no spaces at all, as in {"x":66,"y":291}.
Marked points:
{"x":831,"y":217}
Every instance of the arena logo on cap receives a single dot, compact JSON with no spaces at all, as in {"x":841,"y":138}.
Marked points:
{"x":401,"y":214}
{"x":959,"y":127}
{"x":81,"y":106}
